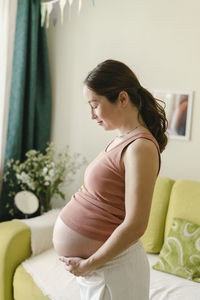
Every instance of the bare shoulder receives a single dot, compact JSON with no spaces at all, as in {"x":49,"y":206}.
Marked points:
{"x":141,"y":152}
{"x":141,"y":146}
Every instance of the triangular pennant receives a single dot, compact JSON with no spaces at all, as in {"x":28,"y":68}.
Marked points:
{"x":49,"y":7}
{"x":62,"y":5}
{"x":55,"y":13}
{"x":43,"y":13}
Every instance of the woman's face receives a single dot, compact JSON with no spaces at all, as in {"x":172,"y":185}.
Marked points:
{"x":105,"y":113}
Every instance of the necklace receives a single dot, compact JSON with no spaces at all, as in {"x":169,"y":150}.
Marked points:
{"x":122,"y":135}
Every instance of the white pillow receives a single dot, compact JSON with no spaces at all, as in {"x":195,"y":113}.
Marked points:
{"x":41,"y":230}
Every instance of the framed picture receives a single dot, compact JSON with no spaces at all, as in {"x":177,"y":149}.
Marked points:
{"x":178,"y":108}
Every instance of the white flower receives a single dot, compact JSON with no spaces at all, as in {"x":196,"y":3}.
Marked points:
{"x":24,"y":177}
{"x":52,"y":176}
{"x":44,"y":171}
{"x":31,"y":185}
{"x":51,"y":172}
{"x":18,"y":176}
{"x":32,"y":152}
{"x":46,"y":183}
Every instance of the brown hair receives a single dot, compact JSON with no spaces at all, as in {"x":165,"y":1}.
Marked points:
{"x":111,"y":77}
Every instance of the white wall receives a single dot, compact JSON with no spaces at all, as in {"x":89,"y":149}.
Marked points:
{"x":159,"y":40}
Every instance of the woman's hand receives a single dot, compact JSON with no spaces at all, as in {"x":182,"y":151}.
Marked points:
{"x":76,"y":265}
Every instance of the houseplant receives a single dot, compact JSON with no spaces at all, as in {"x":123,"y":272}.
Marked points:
{"x":42,"y":174}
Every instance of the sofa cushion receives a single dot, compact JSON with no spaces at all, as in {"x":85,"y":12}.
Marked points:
{"x":154,"y":235}
{"x":24,"y":286}
{"x":180,"y":254}
{"x":184,"y":203}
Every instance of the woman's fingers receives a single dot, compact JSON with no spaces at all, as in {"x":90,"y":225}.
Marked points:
{"x":66,"y":260}
{"x":69,"y":268}
{"x":63,"y":258}
{"x":75,"y":265}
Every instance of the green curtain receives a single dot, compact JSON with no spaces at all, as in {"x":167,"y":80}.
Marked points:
{"x":30,"y":97}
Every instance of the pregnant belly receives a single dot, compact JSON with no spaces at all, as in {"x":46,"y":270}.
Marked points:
{"x":68,"y":242}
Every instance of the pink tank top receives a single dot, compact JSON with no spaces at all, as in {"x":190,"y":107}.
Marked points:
{"x":99,"y":206}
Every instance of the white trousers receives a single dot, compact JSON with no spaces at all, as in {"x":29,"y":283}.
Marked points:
{"x":125,"y":277}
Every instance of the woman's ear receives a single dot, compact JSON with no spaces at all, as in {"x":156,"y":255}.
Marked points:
{"x":123,"y":98}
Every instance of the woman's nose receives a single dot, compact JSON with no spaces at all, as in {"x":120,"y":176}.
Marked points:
{"x":93,"y":116}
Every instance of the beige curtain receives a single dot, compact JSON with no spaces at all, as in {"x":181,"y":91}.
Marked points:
{"x":8,"y":11}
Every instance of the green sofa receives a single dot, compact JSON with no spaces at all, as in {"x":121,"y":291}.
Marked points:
{"x":171,"y":198}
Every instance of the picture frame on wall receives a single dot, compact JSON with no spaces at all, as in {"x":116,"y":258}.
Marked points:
{"x":178,"y":109}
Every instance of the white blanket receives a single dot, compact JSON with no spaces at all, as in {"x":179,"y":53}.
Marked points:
{"x":52,"y":278}
{"x":41,"y":230}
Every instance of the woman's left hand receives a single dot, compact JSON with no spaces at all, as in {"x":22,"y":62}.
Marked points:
{"x":76,"y":265}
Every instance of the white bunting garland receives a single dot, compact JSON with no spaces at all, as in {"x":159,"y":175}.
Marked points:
{"x":50,"y":10}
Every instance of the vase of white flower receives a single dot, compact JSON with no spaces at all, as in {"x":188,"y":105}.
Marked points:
{"x":43,"y":174}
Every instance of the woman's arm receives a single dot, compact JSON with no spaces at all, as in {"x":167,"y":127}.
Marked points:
{"x":141,"y":163}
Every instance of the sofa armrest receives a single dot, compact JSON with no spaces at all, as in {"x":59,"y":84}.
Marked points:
{"x":15,"y":247}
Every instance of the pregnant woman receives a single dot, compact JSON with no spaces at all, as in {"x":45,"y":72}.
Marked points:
{"x":97,"y":233}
